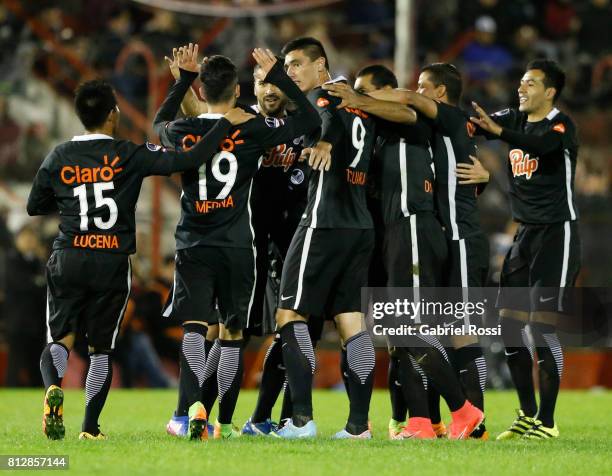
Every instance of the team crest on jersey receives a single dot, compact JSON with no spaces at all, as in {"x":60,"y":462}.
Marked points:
{"x":274,"y":122}
{"x":153,"y":147}
{"x":503,"y":112}
{"x":297,"y":177}
{"x":522,"y":165}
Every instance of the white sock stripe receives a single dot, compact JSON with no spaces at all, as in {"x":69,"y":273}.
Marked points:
{"x":481,"y":367}
{"x":193,"y":350}
{"x":268,"y":352}
{"x":300,"y":330}
{"x":420,"y":370}
{"x":96,"y":376}
{"x":527,"y":342}
{"x":434,"y":342}
{"x":360,"y":356}
{"x":59,"y":354}
{"x":228,"y":368}
{"x":555,"y":348}
{"x":212,"y":360}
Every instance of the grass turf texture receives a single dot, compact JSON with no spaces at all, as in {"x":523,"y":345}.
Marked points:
{"x":135,"y":422}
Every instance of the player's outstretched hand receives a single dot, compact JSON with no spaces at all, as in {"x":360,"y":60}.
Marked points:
{"x":472,"y":173}
{"x":350,"y":97}
{"x":484,"y":121}
{"x":173,"y":63}
{"x":238,"y":116}
{"x":188,"y":58}
{"x":319,"y":156}
{"x":265,"y":59}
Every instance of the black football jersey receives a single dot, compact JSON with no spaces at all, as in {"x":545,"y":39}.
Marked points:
{"x":541,"y":176}
{"x":453,"y":144}
{"x":216,"y":199}
{"x":94,"y":182}
{"x":279,"y":192}
{"x":337,"y":198}
{"x":404,"y":160}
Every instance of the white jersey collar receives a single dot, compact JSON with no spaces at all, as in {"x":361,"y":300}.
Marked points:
{"x":91,"y":137}
{"x":211,"y":115}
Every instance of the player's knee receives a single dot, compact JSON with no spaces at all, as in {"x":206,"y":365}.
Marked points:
{"x":229,"y":333}
{"x":463,"y":341}
{"x":99,"y":350}
{"x":67,"y":341}
{"x":514,"y":314}
{"x":285,"y":316}
{"x":213,"y":332}
{"x":349,"y":324}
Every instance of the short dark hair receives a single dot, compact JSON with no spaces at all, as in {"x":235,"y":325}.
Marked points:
{"x":311,"y":47}
{"x":381,"y":75}
{"x":219,"y":78}
{"x":448,"y":75}
{"x":554,"y":76}
{"x":93,"y":101}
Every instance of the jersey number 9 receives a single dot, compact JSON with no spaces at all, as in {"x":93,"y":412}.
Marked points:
{"x":358,"y":136}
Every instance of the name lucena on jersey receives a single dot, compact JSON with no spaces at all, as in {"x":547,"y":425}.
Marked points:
{"x":542,"y":187}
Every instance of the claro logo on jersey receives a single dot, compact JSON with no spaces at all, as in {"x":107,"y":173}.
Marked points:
{"x":279,"y":156}
{"x":70,"y":174}
{"x":522,"y":164}
{"x":228,"y":144}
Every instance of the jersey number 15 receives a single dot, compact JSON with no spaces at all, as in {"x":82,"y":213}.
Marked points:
{"x":101,"y":201}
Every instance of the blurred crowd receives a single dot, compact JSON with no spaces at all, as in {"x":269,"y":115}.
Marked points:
{"x":47,"y":46}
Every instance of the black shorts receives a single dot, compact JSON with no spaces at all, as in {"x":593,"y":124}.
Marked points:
{"x":87,"y":287}
{"x":207,"y":276}
{"x":415,"y":252}
{"x":545,"y":258}
{"x":325,"y":270}
{"x":468,"y":261}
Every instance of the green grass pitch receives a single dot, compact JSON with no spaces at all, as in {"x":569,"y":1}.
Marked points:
{"x":135,"y":422}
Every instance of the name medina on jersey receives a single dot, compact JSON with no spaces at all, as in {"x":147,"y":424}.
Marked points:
{"x":522,"y":164}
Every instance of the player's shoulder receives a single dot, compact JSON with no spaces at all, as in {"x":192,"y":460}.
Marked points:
{"x":195,"y":124}
{"x":261,"y":122}
{"x":321,"y":98}
{"x":560,"y":121}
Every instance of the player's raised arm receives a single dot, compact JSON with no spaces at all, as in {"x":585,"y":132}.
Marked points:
{"x":166,"y":162}
{"x":41,"y":200}
{"x":536,"y":144}
{"x":191,"y":105}
{"x":388,"y":110}
{"x":188,"y":71}
{"x":426,"y":106}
